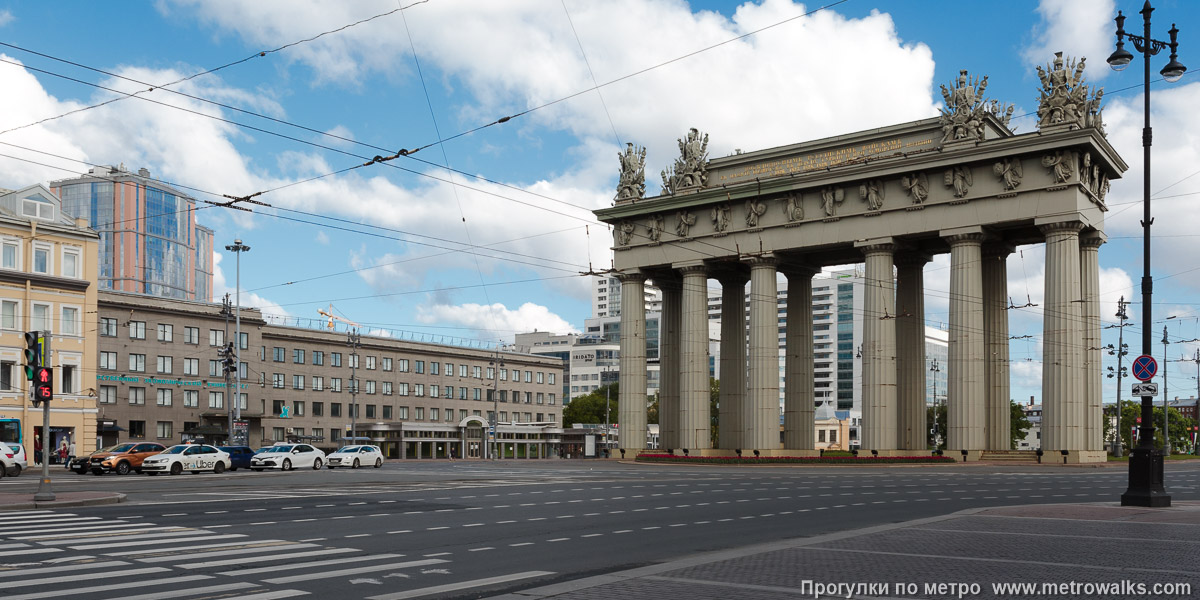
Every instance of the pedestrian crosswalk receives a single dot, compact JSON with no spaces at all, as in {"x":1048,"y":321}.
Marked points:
{"x":58,"y":555}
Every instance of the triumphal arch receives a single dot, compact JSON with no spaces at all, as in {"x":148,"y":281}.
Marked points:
{"x":962,"y":183}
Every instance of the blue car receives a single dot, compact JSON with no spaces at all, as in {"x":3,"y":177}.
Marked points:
{"x":239,"y":456}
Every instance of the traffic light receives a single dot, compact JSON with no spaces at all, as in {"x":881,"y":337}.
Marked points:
{"x":33,"y":353}
{"x":43,"y":385}
{"x":227,"y":361}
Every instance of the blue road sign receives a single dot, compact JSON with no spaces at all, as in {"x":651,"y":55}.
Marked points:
{"x":1144,"y":367}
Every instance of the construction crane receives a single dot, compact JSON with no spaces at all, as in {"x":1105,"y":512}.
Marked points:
{"x":329,"y":313}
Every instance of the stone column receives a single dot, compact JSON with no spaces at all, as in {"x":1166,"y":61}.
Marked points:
{"x":632,"y":404}
{"x":966,"y":397}
{"x":995,"y":333}
{"x":1062,"y":342}
{"x":879,"y":347}
{"x":760,"y":414}
{"x":798,"y":400}
{"x":693,"y":365}
{"x":911,"y":433}
{"x":733,"y":358}
{"x":1089,"y":272}
{"x":668,"y":361}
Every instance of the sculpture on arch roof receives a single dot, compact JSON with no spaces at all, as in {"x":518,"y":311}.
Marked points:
{"x":691,"y":168}
{"x":632,"y":184}
{"x":1065,"y":98}
{"x":963,"y":116}
{"x":831,"y":196}
{"x":872,"y":191}
{"x":655,"y":228}
{"x":754,"y":210}
{"x":794,"y":207}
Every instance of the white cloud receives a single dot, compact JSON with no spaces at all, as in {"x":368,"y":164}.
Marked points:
{"x":495,"y":320}
{"x":322,"y":238}
{"x":271,"y":310}
{"x":6,"y":17}
{"x":1077,"y":28}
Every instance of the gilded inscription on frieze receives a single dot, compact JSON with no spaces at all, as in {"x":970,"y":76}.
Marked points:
{"x":820,"y":160}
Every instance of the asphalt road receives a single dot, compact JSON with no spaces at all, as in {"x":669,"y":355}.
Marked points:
{"x":471,"y":529}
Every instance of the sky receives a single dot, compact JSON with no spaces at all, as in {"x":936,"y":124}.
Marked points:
{"x":488,"y":233}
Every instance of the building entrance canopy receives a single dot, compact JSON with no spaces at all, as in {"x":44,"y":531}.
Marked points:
{"x":962,"y":183}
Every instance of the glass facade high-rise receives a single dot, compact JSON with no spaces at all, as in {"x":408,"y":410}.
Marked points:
{"x":150,"y":242}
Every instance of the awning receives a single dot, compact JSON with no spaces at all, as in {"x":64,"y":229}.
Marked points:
{"x":206,"y":430}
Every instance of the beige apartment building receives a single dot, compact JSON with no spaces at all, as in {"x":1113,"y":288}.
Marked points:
{"x":160,"y":378}
{"x":47,"y":283}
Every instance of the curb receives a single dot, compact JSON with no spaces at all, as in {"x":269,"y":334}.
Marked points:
{"x":100,"y":501}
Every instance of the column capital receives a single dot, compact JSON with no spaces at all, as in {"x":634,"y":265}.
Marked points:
{"x":1092,"y":239}
{"x":798,"y":271}
{"x":961,"y":235}
{"x":1061,"y":227}
{"x":874,"y":245}
{"x":631,"y":276}
{"x":909,"y":258}
{"x":998,"y":249}
{"x":691,"y":267}
{"x":765,"y":259}
{"x":732,"y":278}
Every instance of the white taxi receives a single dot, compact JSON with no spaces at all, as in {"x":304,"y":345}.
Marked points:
{"x":355,"y":457}
{"x":286,"y":457}
{"x":187,"y":457}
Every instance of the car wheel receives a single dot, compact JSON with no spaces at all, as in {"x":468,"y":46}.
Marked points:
{"x":122,"y":468}
{"x":176,"y":469}
{"x":232,"y":469}
{"x":378,"y":463}
{"x":355,"y":465}
{"x":138,"y":471}
{"x":219,"y":468}
{"x":80,"y":471}
{"x":16,"y":471}
{"x":317,"y":465}
{"x":287,"y":464}
{"x":257,"y":470}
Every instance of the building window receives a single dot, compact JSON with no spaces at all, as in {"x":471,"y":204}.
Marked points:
{"x":462,"y":370}
{"x":41,"y":259}
{"x":370,"y":387}
{"x":335,"y":359}
{"x":335,"y":384}
{"x":418,"y":414}
{"x":191,"y":335}
{"x":318,"y":358}
{"x":403,"y":389}
{"x":191,"y":398}
{"x":137,"y":330}
{"x":108,"y":361}
{"x":298,"y":356}
{"x":297,"y":382}
{"x":476,"y":394}
{"x":108,"y":394}
{"x":335,"y":409}
{"x":216,"y":337}
{"x":387,"y":413}
{"x":403,"y":365}
{"x":70,"y":321}
{"x":277,"y":434}
{"x":462,"y":393}
{"x":528,"y":376}
{"x":164,"y":397}
{"x":528,"y":396}
{"x":318,"y":434}
{"x":137,"y":430}
{"x":419,"y":366}
{"x":166,"y":332}
{"x":68,"y":379}
{"x":540,"y":399}
{"x":449,"y":370}
{"x":10,"y":249}
{"x":434,"y":415}
{"x":491,"y":373}
{"x":297,"y":408}
{"x":551,"y":399}
{"x":419,"y":389}
{"x":245,"y":342}
{"x":137,"y":363}
{"x":214,"y":368}
{"x":435,"y":368}
{"x":318,"y":383}
{"x":137,"y":396}
{"x":277,"y":380}
{"x":516,"y":375}
{"x":539,"y":377}
{"x":40,"y":320}
{"x":165,"y":364}
{"x":353,"y":362}
{"x":277,"y":354}
{"x":447,"y":391}
{"x":216,"y":399}
{"x":503,"y":374}
{"x":318,"y":409}
{"x":371,"y":363}
{"x":370,"y":411}
{"x":433,"y":390}
{"x":387,"y":363}
{"x":191,"y":366}
{"x":403,"y":413}
{"x":387,"y":388}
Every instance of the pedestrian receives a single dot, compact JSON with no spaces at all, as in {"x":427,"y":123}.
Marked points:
{"x":63,"y":450}
{"x":37,"y":449}
{"x":70,"y":453}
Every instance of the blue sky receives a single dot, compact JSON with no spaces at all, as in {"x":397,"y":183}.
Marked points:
{"x":393,"y":257}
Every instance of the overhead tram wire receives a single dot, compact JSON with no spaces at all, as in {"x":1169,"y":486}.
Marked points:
{"x":261,"y":53}
{"x":592,"y":74}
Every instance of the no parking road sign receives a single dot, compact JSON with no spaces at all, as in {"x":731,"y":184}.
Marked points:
{"x":1145,"y":367}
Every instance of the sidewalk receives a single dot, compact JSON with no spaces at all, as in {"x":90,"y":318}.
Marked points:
{"x":61,"y":500}
{"x":1054,"y":544}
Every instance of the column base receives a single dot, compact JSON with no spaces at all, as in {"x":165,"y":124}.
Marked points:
{"x":799,"y":453}
{"x":891,"y":453}
{"x":631,"y":453}
{"x":961,"y":455}
{"x":1073,"y":457}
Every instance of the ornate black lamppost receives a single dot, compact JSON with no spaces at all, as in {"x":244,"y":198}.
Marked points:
{"x":1146,"y":461}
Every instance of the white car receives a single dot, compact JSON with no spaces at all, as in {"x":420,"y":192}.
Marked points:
{"x":19,"y":456}
{"x":286,"y":457}
{"x":355,"y":457}
{"x":8,"y":464}
{"x":187,"y":457}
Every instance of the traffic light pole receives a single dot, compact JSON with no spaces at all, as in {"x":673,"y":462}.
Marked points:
{"x":44,"y":492}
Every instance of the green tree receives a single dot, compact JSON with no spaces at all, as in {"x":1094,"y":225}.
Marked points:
{"x":1018,"y":425}
{"x":714,"y":409}
{"x":589,"y":409}
{"x":936,"y":417}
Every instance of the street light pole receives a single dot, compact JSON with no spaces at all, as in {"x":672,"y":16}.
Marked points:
{"x":238,"y":248}
{"x":498,"y":363}
{"x":937,"y":438}
{"x":1166,"y":400}
{"x":607,"y":405}
{"x":1146,"y":462}
{"x":353,"y":340}
{"x":1120,"y":351}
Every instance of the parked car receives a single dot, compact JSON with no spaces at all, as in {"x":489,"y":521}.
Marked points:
{"x":19,"y":456}
{"x":239,"y":456}
{"x":187,"y":457}
{"x":355,"y":456}
{"x":286,"y":457}
{"x":8,"y":463}
{"x":119,"y":459}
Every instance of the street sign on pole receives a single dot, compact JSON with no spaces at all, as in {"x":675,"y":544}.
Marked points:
{"x":1145,"y":389}
{"x":1144,"y":367}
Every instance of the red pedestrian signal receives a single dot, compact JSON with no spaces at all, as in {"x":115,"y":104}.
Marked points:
{"x":43,"y":385}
